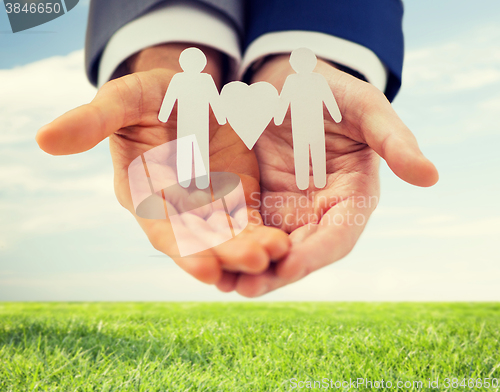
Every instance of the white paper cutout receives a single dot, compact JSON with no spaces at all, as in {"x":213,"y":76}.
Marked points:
{"x":194,"y":92}
{"x":305,"y":92}
{"x":249,"y":109}
{"x":200,"y":218}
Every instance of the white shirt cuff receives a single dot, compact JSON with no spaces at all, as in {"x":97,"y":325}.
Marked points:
{"x":176,"y":21}
{"x":328,"y":47}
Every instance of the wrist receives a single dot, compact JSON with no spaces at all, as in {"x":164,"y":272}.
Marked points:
{"x":167,"y":56}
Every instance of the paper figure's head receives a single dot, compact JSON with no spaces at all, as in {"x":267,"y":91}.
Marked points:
{"x":192,"y":60}
{"x":303,"y":60}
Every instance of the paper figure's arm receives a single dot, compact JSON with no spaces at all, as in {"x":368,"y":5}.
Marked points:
{"x":283,"y":103}
{"x":169,"y":100}
{"x":216,"y":103}
{"x":330,"y":102}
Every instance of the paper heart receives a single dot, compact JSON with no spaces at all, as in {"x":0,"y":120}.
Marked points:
{"x":249,"y":109}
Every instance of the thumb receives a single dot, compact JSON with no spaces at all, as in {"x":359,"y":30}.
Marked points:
{"x":119,"y":103}
{"x":385,"y":132}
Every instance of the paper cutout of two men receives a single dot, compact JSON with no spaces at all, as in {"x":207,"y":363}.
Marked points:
{"x":304,"y":92}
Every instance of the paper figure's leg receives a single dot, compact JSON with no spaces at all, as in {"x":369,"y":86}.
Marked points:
{"x":318,"y":158}
{"x":202,"y":162}
{"x":184,"y":160}
{"x":301,"y":161}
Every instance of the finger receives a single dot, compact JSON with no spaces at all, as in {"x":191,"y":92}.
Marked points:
{"x":253,"y":249}
{"x":227,"y":283}
{"x":242,"y":255}
{"x":274,"y":241}
{"x":295,"y":267}
{"x":330,"y":240}
{"x":252,"y":286}
{"x":385,"y":132}
{"x":122,"y":102}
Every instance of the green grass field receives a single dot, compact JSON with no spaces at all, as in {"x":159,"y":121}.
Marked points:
{"x":246,"y":347}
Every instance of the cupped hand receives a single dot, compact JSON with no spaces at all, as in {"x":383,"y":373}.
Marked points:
{"x":126,"y":111}
{"x":325,"y":224}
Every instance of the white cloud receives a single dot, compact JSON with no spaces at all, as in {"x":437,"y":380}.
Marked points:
{"x":474,"y":79}
{"x":29,"y":179}
{"x":390,"y":284}
{"x":35,"y":94}
{"x":436,"y":219}
{"x":472,"y":61}
{"x":39,"y":191}
{"x":432,"y":227}
{"x":490,"y":104}
{"x":450,"y":91}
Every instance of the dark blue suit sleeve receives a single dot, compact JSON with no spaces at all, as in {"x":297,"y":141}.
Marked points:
{"x":108,"y":16}
{"x":375,"y":24}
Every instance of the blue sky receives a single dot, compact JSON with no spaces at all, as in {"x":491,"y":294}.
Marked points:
{"x":63,"y":236}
